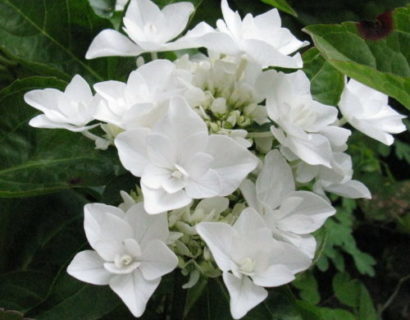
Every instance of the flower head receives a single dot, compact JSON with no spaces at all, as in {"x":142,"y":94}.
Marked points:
{"x":179,"y":161}
{"x":250,"y":259}
{"x":260,"y":38}
{"x":71,"y":109}
{"x":368,"y":111}
{"x":291,"y":215}
{"x":148,"y":28}
{"x":129,"y":253}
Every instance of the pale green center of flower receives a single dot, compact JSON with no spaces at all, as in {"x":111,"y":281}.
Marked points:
{"x":247,"y":266}
{"x":123,"y":261}
{"x":178,"y":172}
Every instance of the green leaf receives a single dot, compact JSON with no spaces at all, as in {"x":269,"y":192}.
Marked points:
{"x":39,"y":161}
{"x":52,"y":34}
{"x":308,"y":287}
{"x":336,"y":314}
{"x":89,"y":303}
{"x":402,"y":151}
{"x":326,"y":82}
{"x":366,"y":307}
{"x":23,"y":290}
{"x":347,"y":291}
{"x":282,"y":5}
{"x":382,"y":64}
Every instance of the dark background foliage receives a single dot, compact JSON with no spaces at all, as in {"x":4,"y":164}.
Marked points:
{"x":46,"y":176}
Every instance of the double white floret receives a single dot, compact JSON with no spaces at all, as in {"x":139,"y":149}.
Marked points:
{"x":291,"y":215}
{"x":250,"y":259}
{"x":179,"y":161}
{"x":72,"y":109}
{"x":130,"y":254}
{"x":148,"y":28}
{"x":368,"y":111}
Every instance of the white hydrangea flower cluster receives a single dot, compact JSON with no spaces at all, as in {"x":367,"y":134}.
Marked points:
{"x":224,"y":150}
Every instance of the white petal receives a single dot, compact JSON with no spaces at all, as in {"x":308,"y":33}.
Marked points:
{"x":244,"y":294}
{"x":160,"y":150}
{"x":112,"y":43}
{"x":158,"y":200}
{"x":305,"y":243}
{"x":275,"y":180}
{"x":273,"y":276}
{"x":352,"y":189}
{"x":134,"y":290}
{"x":88,"y":266}
{"x":177,"y":16}
{"x":312,"y":148}
{"x":131,"y":147}
{"x":218,"y":237}
{"x":157,"y":260}
{"x":266,"y":55}
{"x":41,"y":121}
{"x":181,"y":122}
{"x":248,"y":191}
{"x":232,"y":162}
{"x":249,"y":222}
{"x":147,"y":227}
{"x":207,"y":186}
{"x":310,"y":213}
{"x":78,"y":89}
{"x":105,"y":229}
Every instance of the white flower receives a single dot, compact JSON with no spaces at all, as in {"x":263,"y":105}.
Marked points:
{"x":130,"y":253}
{"x":300,"y":119}
{"x":260,"y":38}
{"x":291,"y":215}
{"x":149,"y":29}
{"x":178,"y":161}
{"x":120,"y":5}
{"x":337,"y":179}
{"x":368,"y":111}
{"x":71,"y":109}
{"x":142,"y":101}
{"x":250,"y":259}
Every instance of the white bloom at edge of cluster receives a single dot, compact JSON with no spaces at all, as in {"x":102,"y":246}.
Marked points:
{"x":291,"y":215}
{"x":260,"y":38}
{"x":130,"y":252}
{"x":149,"y":29}
{"x":250,"y":259}
{"x":71,"y":109}
{"x":179,"y":161}
{"x":368,"y":111}
{"x":142,"y":101}
{"x":302,"y":122}
{"x":337,"y":179}
{"x":120,"y":5}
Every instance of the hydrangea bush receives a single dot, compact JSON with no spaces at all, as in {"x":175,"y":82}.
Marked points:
{"x":236,"y":164}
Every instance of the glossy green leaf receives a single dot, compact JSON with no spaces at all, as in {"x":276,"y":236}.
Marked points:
{"x":52,"y":34}
{"x":382,"y":64}
{"x":23,"y":290}
{"x":89,"y":303}
{"x":282,"y":5}
{"x":38,"y":161}
{"x":326,"y":82}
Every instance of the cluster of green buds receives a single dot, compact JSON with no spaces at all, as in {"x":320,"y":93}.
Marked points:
{"x":194,"y":258}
